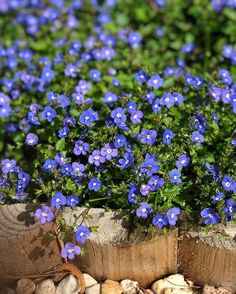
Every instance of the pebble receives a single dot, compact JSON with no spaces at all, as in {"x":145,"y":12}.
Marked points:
{"x":170,"y":283}
{"x":111,"y":287}
{"x":130,"y":287}
{"x":89,"y":281}
{"x":46,"y":286}
{"x":25,"y":286}
{"x":212,"y":290}
{"x":69,"y":285}
{"x":95,"y":289}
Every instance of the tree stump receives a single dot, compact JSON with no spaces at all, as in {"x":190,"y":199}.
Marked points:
{"x":110,"y":254}
{"x":25,"y":246}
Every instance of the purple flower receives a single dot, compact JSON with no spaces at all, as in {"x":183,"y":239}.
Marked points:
{"x":126,"y":161}
{"x":167,"y":136}
{"x":156,"y":106}
{"x":96,"y":158}
{"x":120,"y":141}
{"x":83,"y":87}
{"x":210,"y":216}
{"x":31,"y":139}
{"x":173,"y":215}
{"x":118,"y":115}
{"x":145,"y":189}
{"x":141,"y":76}
{"x":78,"y":98}
{"x":228,"y":183}
{"x":160,"y":221}
{"x":81,"y":148}
{"x":48,"y":114}
{"x":144,"y":210}
{"x":58,"y":200}
{"x":133,"y":193}
{"x":131,"y":106}
{"x":110,"y":98}
{"x":136,"y":116}
{"x":87,"y":117}
{"x":60,"y":159}
{"x":45,"y":214}
{"x":5,"y":111}
{"x":197,"y":138}
{"x":49,"y":165}
{"x":70,"y":250}
{"x":82,"y":234}
{"x":148,"y":136}
{"x":182,"y":161}
{"x":187,"y":48}
{"x":216,"y":198}
{"x":47,"y":74}
{"x":108,"y":151}
{"x":175,"y":176}
{"x":155,"y":81}
{"x":71,"y":70}
{"x":8,"y":166}
{"x":94,"y":184}
{"x":66,"y":169}
{"x":78,"y":169}
{"x":64,"y":132}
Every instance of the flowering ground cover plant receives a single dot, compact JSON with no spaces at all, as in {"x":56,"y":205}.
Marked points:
{"x":129,"y":109}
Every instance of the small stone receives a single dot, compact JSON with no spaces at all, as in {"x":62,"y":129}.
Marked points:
{"x":172,"y":282}
{"x":209,"y":290}
{"x":130,"y":287}
{"x":25,"y":286}
{"x":175,"y":291}
{"x":46,"y":286}
{"x":89,"y":281}
{"x":223,"y":291}
{"x":95,"y":289}
{"x":111,"y":287}
{"x":69,"y":285}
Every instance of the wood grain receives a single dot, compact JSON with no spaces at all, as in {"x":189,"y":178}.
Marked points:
{"x":25,"y":247}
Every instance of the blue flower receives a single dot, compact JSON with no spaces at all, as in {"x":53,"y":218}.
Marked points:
{"x":96,"y":158}
{"x":120,"y":141}
{"x":197,"y":138}
{"x":118,"y":115}
{"x":82,"y":234}
{"x":155,"y":183}
{"x":71,"y":70}
{"x":160,"y":221}
{"x":94,"y":184}
{"x":156,"y":107}
{"x":216,"y":198}
{"x":72,"y":200}
{"x":47,"y":74}
{"x":48,"y":114}
{"x":228,"y":183}
{"x":149,"y":166}
{"x":108,"y":151}
{"x":141,"y":76}
{"x":70,"y":250}
{"x":83,"y":87}
{"x":182,"y":161}
{"x":49,"y":165}
{"x":187,"y":48}
{"x":78,"y":169}
{"x":229,"y":208}
{"x":167,"y":136}
{"x":133,"y":193}
{"x":95,"y":75}
{"x":155,"y":81}
{"x":148,"y":136}
{"x":58,"y":200}
{"x":63,"y":132}
{"x":167,"y":100}
{"x":134,"y":39}
{"x":173,"y":215}
{"x":126,"y":161}
{"x":87,"y":117}
{"x":66,"y":169}
{"x":131,"y":106}
{"x":175,"y":176}
{"x":210,"y":216}
{"x":63,"y":101}
{"x":8,"y":166}
{"x":144,"y":210}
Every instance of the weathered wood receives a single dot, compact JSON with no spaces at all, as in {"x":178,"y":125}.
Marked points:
{"x":25,"y":246}
{"x":208,"y":261}
{"x":109,"y":255}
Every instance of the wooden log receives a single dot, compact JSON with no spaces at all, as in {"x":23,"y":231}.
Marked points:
{"x":110,"y":255}
{"x":208,"y":260}
{"x":25,"y":246}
